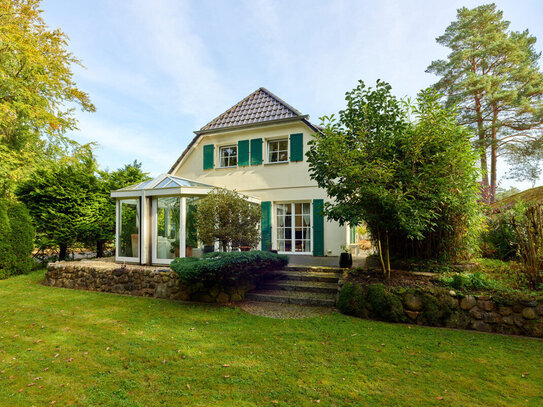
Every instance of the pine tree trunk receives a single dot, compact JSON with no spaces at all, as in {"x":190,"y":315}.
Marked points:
{"x":493,"y":155}
{"x":482,"y":141}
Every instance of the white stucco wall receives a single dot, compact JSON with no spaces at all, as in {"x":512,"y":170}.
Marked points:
{"x":285,"y":182}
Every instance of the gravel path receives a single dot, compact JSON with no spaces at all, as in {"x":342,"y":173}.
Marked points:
{"x":283,"y":311}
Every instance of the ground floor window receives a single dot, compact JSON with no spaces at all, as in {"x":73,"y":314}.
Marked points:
{"x":293,"y":222}
{"x":168,"y":223}
{"x":129,"y":228}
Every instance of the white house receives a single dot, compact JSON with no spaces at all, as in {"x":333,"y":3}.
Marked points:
{"x":257,"y":147}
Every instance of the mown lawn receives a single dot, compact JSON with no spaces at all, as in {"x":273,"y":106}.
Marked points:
{"x":93,"y":349}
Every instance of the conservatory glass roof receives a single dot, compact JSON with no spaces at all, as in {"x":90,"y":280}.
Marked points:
{"x":164,"y":181}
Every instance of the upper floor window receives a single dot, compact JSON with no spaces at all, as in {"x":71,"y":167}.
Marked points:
{"x":228,"y":156}
{"x":278,"y":151}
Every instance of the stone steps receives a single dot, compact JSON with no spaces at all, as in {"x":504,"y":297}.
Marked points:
{"x":300,"y":285}
{"x":309,"y":276}
{"x":293,"y":297}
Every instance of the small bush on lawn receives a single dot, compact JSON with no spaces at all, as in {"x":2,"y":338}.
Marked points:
{"x":16,"y":239}
{"x":228,"y":268}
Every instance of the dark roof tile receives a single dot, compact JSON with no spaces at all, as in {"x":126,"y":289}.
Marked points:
{"x":260,"y":106}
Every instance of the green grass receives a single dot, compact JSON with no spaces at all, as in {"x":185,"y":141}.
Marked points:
{"x":96,"y":349}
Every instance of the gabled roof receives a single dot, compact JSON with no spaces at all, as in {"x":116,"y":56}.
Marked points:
{"x":260,"y":106}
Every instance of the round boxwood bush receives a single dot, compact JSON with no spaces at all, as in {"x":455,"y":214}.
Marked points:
{"x":385,"y":304}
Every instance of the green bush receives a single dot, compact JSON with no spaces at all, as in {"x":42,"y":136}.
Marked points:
{"x":352,"y":301}
{"x":499,"y":240}
{"x":16,"y":239}
{"x":385,"y":304}
{"x":227,"y":268}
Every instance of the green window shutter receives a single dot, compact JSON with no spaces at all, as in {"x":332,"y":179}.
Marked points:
{"x":266,"y":225}
{"x":256,"y":151}
{"x":353,"y":235}
{"x":318,"y":227}
{"x":297,"y":147}
{"x":209,"y":153}
{"x":243,"y":153}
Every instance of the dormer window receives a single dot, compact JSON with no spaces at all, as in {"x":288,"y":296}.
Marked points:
{"x":278,"y":151}
{"x":228,"y":156}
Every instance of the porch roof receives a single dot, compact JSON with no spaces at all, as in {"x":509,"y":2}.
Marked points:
{"x":167,"y":184}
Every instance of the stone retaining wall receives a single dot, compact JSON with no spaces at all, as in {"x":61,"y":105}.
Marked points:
{"x":444,"y":307}
{"x":145,"y":281}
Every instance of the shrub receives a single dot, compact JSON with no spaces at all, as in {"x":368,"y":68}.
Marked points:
{"x":499,"y":240}
{"x":351,"y":300}
{"x":16,"y":239}
{"x":385,"y":304}
{"x":228,"y":268}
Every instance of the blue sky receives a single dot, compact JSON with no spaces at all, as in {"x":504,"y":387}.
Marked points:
{"x":159,"y":69}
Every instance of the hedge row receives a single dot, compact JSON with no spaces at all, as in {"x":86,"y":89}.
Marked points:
{"x":16,"y":239}
{"x":228,"y":268}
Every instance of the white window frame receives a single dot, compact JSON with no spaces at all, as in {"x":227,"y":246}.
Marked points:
{"x":275,"y":226}
{"x":118,"y":231}
{"x":154,"y":230}
{"x":268,"y":152}
{"x":221,"y":148}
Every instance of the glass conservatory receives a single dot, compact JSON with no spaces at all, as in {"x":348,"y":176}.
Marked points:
{"x":155,"y":220}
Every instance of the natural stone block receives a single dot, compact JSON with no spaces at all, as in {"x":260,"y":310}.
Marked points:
{"x":412,"y":314}
{"x":482,"y":326}
{"x":236,"y":297}
{"x":476,"y":313}
{"x":508,"y":320}
{"x":505,"y":311}
{"x":492,"y":317}
{"x":539,"y":309}
{"x":529,"y":313}
{"x":223,"y":297}
{"x":412,"y":302}
{"x":468,"y":302}
{"x":486,"y":305}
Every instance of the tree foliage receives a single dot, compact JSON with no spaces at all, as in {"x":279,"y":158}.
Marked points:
{"x":226,"y":216}
{"x":494,"y":76}
{"x":37,"y":91}
{"x":414,"y":183}
{"x":70,"y":201}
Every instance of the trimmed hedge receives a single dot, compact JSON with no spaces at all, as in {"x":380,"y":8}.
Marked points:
{"x":227,"y":268}
{"x":16,"y":239}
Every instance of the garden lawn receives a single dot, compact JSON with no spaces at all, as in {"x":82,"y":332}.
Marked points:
{"x":85,"y":348}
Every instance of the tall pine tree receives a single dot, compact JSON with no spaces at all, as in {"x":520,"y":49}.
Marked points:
{"x":492,"y":73}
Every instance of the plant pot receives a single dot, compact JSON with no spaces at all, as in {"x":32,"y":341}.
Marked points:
{"x":273,"y":251}
{"x":209,"y":249}
{"x":345,"y":260}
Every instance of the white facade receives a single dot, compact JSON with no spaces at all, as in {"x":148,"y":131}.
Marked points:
{"x":279,"y":183}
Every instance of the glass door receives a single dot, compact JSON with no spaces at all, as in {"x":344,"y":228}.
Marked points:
{"x":166,"y":229}
{"x":293,"y":226}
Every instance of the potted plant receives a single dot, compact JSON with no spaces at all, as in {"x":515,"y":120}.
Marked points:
{"x":345,"y":258}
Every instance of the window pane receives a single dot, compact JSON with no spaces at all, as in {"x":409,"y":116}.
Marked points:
{"x":283,"y":145}
{"x":288,"y":246}
{"x":168,"y":223}
{"x":283,"y":156}
{"x":191,"y":232}
{"x":129,"y":227}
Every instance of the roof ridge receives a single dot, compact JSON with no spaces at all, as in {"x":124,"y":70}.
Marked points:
{"x":259,"y":106}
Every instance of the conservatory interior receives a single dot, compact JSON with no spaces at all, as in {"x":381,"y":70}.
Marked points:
{"x":155,"y":220}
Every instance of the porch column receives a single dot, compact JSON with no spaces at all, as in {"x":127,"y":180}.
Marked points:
{"x":143,"y":229}
{"x":183,"y":227}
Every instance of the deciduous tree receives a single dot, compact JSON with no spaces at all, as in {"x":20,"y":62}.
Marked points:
{"x":37,"y":91}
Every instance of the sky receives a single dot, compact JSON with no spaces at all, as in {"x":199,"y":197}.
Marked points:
{"x":157,"y":70}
